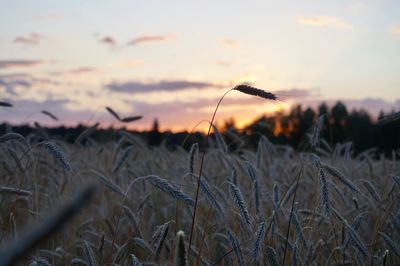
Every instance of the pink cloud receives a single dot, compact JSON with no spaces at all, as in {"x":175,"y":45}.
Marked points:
{"x":151,"y":38}
{"x":223,"y":63}
{"x":326,"y":22}
{"x":75,"y":71}
{"x":229,"y":43}
{"x":395,"y":30}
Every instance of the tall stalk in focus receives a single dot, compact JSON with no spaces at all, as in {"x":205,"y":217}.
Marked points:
{"x":244,"y":89}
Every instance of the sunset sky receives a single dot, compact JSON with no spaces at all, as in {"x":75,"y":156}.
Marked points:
{"x":172,"y":60}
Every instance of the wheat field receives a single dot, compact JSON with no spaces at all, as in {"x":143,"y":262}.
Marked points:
{"x":126,"y":203}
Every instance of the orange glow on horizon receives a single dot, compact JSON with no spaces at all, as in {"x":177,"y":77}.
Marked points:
{"x":277,"y":128}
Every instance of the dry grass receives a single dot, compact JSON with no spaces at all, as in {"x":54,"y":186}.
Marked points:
{"x":234,"y":232}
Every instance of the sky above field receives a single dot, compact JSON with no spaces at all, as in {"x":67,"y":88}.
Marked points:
{"x":172,"y":60}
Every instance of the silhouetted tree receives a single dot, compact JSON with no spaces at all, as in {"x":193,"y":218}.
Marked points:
{"x":154,"y":137}
{"x":338,"y":119}
{"x":322,"y":109}
{"x":360,"y":130}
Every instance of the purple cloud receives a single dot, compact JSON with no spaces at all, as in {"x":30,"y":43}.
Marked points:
{"x":9,"y":86}
{"x":31,"y":39}
{"x":8,"y":82}
{"x":295,"y":93}
{"x":81,"y":70}
{"x":108,"y":40}
{"x":5,"y":64}
{"x":164,"y":85}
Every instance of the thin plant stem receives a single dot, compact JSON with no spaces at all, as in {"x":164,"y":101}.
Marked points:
{"x":217,"y":262}
{"x":201,"y":171}
{"x":204,"y":235}
{"x":291,"y":213}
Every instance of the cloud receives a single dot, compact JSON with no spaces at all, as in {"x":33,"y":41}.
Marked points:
{"x":229,"y":43}
{"x":296,"y":93}
{"x":372,"y":105}
{"x":108,"y":40}
{"x":223,"y":63}
{"x":6,"y":64}
{"x":48,"y":16}
{"x":82,"y":70}
{"x":14,"y":75}
{"x":75,"y":71}
{"x":10,"y":82}
{"x":31,"y":39}
{"x":37,"y":106}
{"x":357,"y":6}
{"x":112,"y":43}
{"x":395,"y":30}
{"x":151,"y":38}
{"x":163,"y":85}
{"x":326,"y":22}
{"x":127,"y":64}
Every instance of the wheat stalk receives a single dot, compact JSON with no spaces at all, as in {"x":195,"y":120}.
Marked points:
{"x":89,"y":254}
{"x":58,"y":155}
{"x":240,"y":204}
{"x":135,"y":261}
{"x":244,"y":89}
{"x":340,"y":176}
{"x":12,"y":136}
{"x":181,"y":252}
{"x":260,"y":235}
{"x":324,"y":191}
{"x":236,"y":248}
{"x":174,"y":192}
{"x":391,"y":244}
{"x":271,"y":256}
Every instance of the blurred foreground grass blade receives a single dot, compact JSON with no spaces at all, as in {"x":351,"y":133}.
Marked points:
{"x":113,"y":113}
{"x":131,"y":118}
{"x":5,"y":104}
{"x":19,"y":248}
{"x":55,"y":118}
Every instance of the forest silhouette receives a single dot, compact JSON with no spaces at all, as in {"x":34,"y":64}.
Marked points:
{"x":293,"y":128}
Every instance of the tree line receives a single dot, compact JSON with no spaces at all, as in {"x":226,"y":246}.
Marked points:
{"x":339,"y":125}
